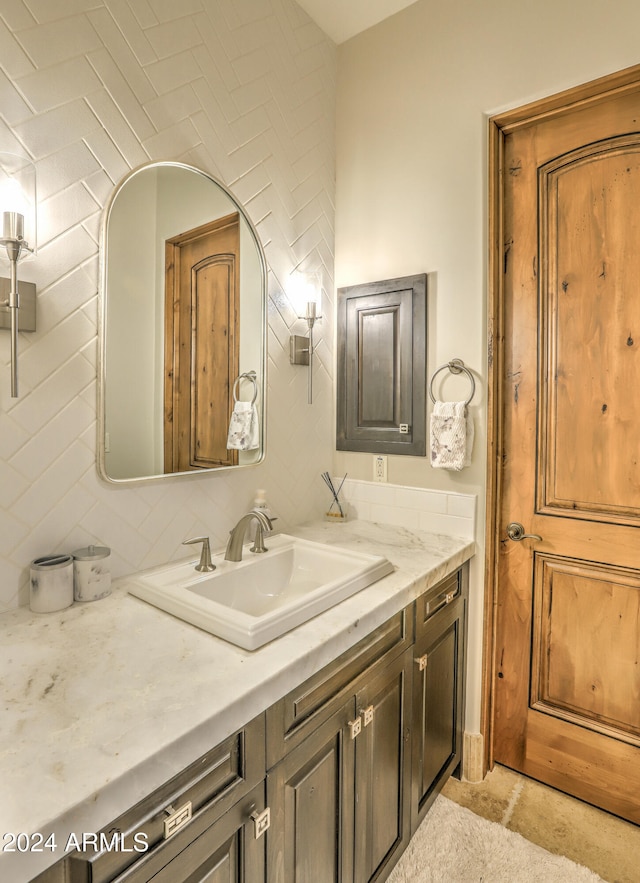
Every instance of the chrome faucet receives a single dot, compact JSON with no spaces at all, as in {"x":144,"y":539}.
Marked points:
{"x":236,"y":536}
{"x":205,"y":565}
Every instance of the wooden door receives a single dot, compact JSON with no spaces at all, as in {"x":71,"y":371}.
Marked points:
{"x":567,"y":650}
{"x":202,"y":284}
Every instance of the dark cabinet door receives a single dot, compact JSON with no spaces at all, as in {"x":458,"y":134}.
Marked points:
{"x":438,"y":703}
{"x":339,"y":802}
{"x":311,"y":796}
{"x":382,"y":771}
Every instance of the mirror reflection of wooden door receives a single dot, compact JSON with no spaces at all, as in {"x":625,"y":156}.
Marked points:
{"x":567,"y":687}
{"x":201,"y":344}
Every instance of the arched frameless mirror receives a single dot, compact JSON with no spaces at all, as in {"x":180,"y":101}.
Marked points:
{"x":183,"y":328}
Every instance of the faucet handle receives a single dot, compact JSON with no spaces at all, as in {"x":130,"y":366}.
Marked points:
{"x":205,"y":564}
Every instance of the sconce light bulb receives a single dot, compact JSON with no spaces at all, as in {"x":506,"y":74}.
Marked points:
{"x":17,"y":206}
{"x":12,"y":197}
{"x":303,"y":290}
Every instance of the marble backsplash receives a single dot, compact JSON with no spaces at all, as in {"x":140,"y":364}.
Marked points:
{"x":438,"y":512}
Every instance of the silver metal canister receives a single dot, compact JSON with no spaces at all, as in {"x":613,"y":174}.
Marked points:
{"x":51,"y":584}
{"x":92,"y":576}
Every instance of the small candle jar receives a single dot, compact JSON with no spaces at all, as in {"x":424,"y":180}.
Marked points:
{"x":92,"y":576}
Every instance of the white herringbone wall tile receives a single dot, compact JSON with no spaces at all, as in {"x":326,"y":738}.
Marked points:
{"x":90,"y":89}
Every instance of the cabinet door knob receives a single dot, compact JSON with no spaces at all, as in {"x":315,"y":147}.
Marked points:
{"x":261,"y":822}
{"x":367,"y":715}
{"x":421,"y":662}
{"x":355,"y":727}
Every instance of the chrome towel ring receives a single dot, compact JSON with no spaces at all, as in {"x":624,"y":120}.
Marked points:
{"x":456,"y":366}
{"x":249,"y":375}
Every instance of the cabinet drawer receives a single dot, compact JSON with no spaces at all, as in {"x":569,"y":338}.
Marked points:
{"x":209,"y":849}
{"x":291,"y":719}
{"x":212,"y":784}
{"x":435,"y":598}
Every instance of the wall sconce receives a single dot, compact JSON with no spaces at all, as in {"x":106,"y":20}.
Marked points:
{"x":18,"y":218}
{"x":304,"y":292}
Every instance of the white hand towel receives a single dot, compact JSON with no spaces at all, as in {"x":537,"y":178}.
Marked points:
{"x":451,"y":436}
{"x":244,"y":428}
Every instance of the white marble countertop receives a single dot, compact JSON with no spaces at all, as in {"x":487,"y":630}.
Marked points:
{"x":105,"y":701}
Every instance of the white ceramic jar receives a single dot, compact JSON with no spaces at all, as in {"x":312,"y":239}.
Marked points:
{"x":92,"y":576}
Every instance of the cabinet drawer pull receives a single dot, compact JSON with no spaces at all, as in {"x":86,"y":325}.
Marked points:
{"x":261,"y":822}
{"x":177,"y":819}
{"x":421,"y":662}
{"x":440,"y":601}
{"x":355,"y":727}
{"x":367,"y":715}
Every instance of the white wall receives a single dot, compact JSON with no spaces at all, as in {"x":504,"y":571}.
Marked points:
{"x":244,"y":89}
{"x":414,"y":93}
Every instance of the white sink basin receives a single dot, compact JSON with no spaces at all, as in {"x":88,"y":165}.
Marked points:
{"x":255,"y":600}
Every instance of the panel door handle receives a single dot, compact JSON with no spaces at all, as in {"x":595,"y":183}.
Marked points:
{"x":515,"y":531}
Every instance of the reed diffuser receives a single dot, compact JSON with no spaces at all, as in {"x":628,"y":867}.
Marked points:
{"x":336,"y":511}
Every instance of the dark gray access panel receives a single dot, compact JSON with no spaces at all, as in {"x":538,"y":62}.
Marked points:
{"x":381,"y":383}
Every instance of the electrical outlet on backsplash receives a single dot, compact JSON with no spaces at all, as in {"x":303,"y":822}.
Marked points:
{"x":440,"y":512}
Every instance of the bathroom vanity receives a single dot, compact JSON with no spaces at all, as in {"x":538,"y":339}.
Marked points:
{"x":322,"y":750}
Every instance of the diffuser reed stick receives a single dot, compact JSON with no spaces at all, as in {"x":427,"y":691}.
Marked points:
{"x":335,"y":494}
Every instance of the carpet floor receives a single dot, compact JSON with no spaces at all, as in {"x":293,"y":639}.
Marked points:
{"x":454,"y":845}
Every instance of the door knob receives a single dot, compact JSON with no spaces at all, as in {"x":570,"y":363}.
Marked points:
{"x":515,"y":531}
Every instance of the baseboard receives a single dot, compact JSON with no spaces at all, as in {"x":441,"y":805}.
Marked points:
{"x":473,"y":758}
